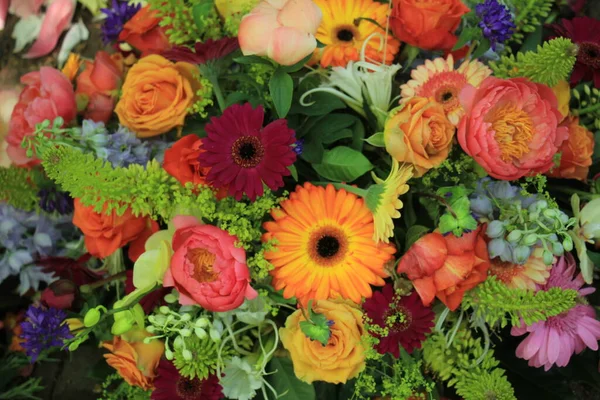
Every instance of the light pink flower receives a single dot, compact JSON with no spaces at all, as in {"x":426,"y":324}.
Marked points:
{"x":554,"y":341}
{"x":207,"y":268}
{"x":58,"y":18}
{"x":47,"y":94}
{"x":511,"y":127}
{"x":283,"y":30}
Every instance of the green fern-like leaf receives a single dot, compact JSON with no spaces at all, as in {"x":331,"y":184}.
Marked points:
{"x":18,"y":187}
{"x":496,"y":303}
{"x":485,"y":386}
{"x":529,"y":14}
{"x":551,"y":63}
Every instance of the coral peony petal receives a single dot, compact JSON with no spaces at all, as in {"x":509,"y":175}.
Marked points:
{"x":58,"y":17}
{"x":3,"y":12}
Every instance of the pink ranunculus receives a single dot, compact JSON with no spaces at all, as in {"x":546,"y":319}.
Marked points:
{"x":47,"y":94}
{"x":98,"y":83}
{"x":283,"y":30}
{"x":207,"y":268}
{"x":511,"y":127}
{"x":58,"y":18}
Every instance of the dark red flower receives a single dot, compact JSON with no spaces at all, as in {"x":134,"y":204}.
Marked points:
{"x":242,"y":155}
{"x":407,"y":320}
{"x":172,"y":386}
{"x":60,"y":294}
{"x":153,"y":299}
{"x":71,"y":269}
{"x":203,"y":52}
{"x":585,"y":32}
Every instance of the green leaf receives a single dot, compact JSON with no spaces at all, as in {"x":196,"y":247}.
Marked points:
{"x":322,"y":104}
{"x":447,"y":223}
{"x":313,"y":151}
{"x":414,"y":233}
{"x":317,"y":328}
{"x":281,"y":87}
{"x":285,"y":381}
{"x":294,"y":172}
{"x":252,"y":60}
{"x":338,"y":135}
{"x":343,"y":164}
{"x":534,"y":39}
{"x":332,"y":123}
{"x":376,"y":140}
{"x":202,"y":10}
{"x":298,"y":66}
{"x":358,"y":135}
{"x":483,"y":46}
{"x":467,"y":35}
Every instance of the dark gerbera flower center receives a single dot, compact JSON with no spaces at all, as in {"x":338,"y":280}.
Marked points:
{"x":345,"y":35}
{"x":398,"y":318}
{"x":247,"y":151}
{"x":589,"y":54}
{"x":189,"y":389}
{"x":327,"y":245}
{"x":446,"y":95}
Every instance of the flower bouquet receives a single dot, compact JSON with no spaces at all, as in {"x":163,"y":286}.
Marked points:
{"x":303,"y":199}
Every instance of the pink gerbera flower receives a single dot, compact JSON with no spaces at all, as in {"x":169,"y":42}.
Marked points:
{"x":242,"y":155}
{"x":405,"y":317}
{"x":555,"y":340}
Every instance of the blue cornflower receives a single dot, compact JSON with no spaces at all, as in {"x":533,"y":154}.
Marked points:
{"x":496,"y":21}
{"x":116,"y":17}
{"x":124,"y":148}
{"x":43,"y":328}
{"x":298,"y":146}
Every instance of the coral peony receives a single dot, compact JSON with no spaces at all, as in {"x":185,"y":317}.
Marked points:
{"x":576,"y":152}
{"x":48,"y":94}
{"x":98,"y":84}
{"x":207,"y":268}
{"x":283,"y":30}
{"x":511,"y":127}
{"x":104,"y":234}
{"x":446,"y":266}
{"x":143,"y":32}
{"x":428,"y":24}
{"x":342,"y":358}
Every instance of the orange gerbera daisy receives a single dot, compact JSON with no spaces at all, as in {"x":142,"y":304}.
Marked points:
{"x":526,"y":276}
{"x":439,"y":80}
{"x":324,"y":246}
{"x":347,"y":25}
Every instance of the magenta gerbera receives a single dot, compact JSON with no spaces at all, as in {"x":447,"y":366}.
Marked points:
{"x":555,"y":340}
{"x":170,"y":385}
{"x":406,"y":319}
{"x":242,"y":155}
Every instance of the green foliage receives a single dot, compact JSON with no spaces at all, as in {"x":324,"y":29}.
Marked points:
{"x":529,"y":14}
{"x":188,"y":21}
{"x":587,"y":107}
{"x":496,"y":303}
{"x":457,"y":218}
{"x":195,"y":357}
{"x":285,"y":382}
{"x":115,"y":388}
{"x":18,"y":187}
{"x":343,"y":164}
{"x":551,"y":63}
{"x":316,"y":327}
{"x":485,"y":386}
{"x":281,"y":87}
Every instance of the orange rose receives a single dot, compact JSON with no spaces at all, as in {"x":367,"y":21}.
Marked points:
{"x":106,"y":233}
{"x":577,"y":151}
{"x":419,"y":133}
{"x":144,"y":33}
{"x":98,"y":84}
{"x":427,"y":24}
{"x":134,"y":360}
{"x":446,"y":266}
{"x":157,"y":95}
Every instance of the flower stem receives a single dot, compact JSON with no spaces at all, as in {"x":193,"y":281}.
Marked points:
{"x":586,"y":110}
{"x":88,"y":288}
{"x":348,"y":188}
{"x":439,"y":199}
{"x":214,"y":81}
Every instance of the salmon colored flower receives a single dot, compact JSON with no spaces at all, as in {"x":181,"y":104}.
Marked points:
{"x":98,"y":84}
{"x":207,"y":268}
{"x":527,"y":276}
{"x":446,"y":266}
{"x":511,"y":127}
{"x":576,"y":152}
{"x":144,"y":33}
{"x":342,"y":358}
{"x":47,"y":94}
{"x":133,"y":359}
{"x":104,"y":234}
{"x":427,"y":24}
{"x":283,"y":30}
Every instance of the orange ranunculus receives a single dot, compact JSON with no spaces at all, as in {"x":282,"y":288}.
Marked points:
{"x":419,"y":133}
{"x":446,"y":266}
{"x":144,"y":33}
{"x":98,"y":84}
{"x":427,"y":24}
{"x":106,"y":233}
{"x":134,"y":360}
{"x":577,"y":150}
{"x":156,"y":95}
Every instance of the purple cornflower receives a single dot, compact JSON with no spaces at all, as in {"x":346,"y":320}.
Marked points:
{"x":43,"y":328}
{"x":496,"y":22}
{"x":53,"y":200}
{"x":299,"y":146}
{"x":116,"y":17}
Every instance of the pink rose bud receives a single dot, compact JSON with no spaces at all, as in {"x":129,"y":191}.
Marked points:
{"x":283,"y":30}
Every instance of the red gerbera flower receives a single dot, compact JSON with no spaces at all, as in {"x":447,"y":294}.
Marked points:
{"x":169,"y":385}
{"x":243,"y":155}
{"x":71,"y":269}
{"x":203,"y":52}
{"x":585,"y":32}
{"x":407,"y":320}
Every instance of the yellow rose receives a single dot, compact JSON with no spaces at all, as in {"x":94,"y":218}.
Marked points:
{"x":157,"y":95}
{"x":562,"y":90}
{"x":342,"y":358}
{"x":418,"y":133}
